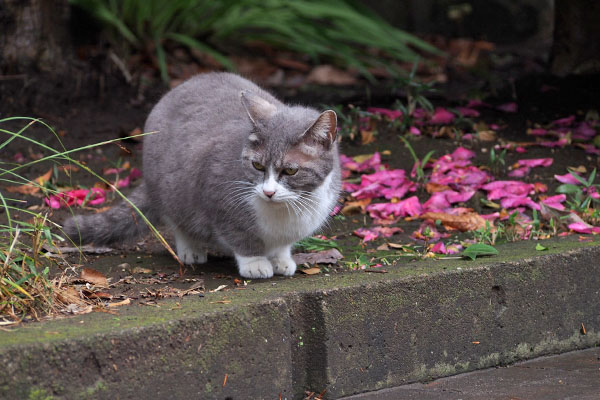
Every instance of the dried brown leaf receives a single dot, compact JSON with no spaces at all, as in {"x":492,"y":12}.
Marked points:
{"x":355,"y":207}
{"x":367,"y":136}
{"x":94,"y":277}
{"x":563,"y":218}
{"x":487,"y":136}
{"x":68,"y":295}
{"x":141,"y":270}
{"x":463,"y":223}
{"x":120,"y":303}
{"x":329,"y":75}
{"x":330,"y":256}
{"x":311,"y":271}
{"x":432,"y":187}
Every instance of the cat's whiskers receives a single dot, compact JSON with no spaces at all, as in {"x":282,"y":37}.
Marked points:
{"x":236,"y":183}
{"x":308,"y":208}
{"x":310,"y":199}
{"x":238,"y":196}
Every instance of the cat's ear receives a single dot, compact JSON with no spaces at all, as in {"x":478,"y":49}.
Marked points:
{"x":258,"y":109}
{"x":324,"y":129}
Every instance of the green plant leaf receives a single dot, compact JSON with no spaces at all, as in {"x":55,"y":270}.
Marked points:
{"x":341,"y":31}
{"x":591,"y":178}
{"x":193,"y":43}
{"x":479,"y":250}
{"x":579,"y":178}
{"x":316,"y":244}
{"x":568,"y":188}
{"x":539,"y":247}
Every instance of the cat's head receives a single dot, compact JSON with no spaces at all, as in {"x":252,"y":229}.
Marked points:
{"x":290,"y":152}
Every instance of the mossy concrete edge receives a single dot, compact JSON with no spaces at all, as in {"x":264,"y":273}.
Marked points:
{"x":346,"y":333}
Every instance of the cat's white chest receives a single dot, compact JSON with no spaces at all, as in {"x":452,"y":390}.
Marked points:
{"x":280,"y":225}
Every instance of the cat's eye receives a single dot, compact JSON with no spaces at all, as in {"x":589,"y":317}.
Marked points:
{"x":258,"y":166}
{"x":290,"y":171}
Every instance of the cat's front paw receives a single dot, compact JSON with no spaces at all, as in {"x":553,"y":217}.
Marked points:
{"x":254,"y":267}
{"x":191,"y":256}
{"x":284,"y":264}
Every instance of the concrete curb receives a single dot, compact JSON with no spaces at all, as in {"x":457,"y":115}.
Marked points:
{"x":345,"y":334}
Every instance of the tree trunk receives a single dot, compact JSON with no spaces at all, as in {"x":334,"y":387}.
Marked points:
{"x":576,"y":47}
{"x":34,"y":36}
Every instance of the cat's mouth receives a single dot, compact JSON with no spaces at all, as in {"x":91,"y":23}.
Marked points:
{"x":272,"y":200}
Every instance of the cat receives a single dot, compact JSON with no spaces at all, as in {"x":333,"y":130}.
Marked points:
{"x":230,"y":169}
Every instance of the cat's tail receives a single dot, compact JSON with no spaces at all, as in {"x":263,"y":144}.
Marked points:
{"x":121,"y":222}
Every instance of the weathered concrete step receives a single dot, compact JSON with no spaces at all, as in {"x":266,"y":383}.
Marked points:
{"x":570,"y":376}
{"x":346,"y":333}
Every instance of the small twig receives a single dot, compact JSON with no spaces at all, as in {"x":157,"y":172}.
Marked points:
{"x":121,"y":65}
{"x":12,"y":246}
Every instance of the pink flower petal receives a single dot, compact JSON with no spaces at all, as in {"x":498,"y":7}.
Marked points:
{"x":384,"y":177}
{"x":53,"y":201}
{"x":519,"y":172}
{"x":468,"y":112}
{"x":491,"y":217}
{"x":500,"y":189}
{"x":414,"y":130}
{"x":555,"y":201}
{"x":350,"y":187}
{"x":536,"y":162}
{"x":580,"y":227}
{"x":593,"y":193}
{"x":113,"y":171}
{"x":419,"y":114}
{"x":436,"y":203}
{"x":410,"y":206}
{"x":462,"y":154}
{"x":567,"y":178}
{"x":336,"y":210}
{"x":441,"y":116}
{"x":386,"y":112}
{"x":398,"y":192}
{"x":584,"y":131}
{"x":372,"y":163}
{"x":122,"y":183}
{"x":559,"y":198}
{"x":135,"y":173}
{"x":439,"y":248}
{"x":477,"y":103}
{"x":537,"y":131}
{"x":371,"y":191}
{"x":591,"y":149}
{"x":520,"y":149}
{"x":557,"y":143}
{"x":512,"y":202}
{"x":19,"y":157}
{"x":373,"y":233}
{"x":387,"y":231}
{"x":433,"y":236}
{"x":459,"y":197}
{"x":567,"y":121}
{"x":366,"y":234}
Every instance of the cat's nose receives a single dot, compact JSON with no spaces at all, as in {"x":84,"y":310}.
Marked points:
{"x":268,"y":193}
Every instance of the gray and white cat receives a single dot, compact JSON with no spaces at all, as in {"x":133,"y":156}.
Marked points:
{"x":231,"y":169}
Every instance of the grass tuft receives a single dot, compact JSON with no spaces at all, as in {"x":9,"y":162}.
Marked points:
{"x":28,"y":243}
{"x":339,"y":31}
